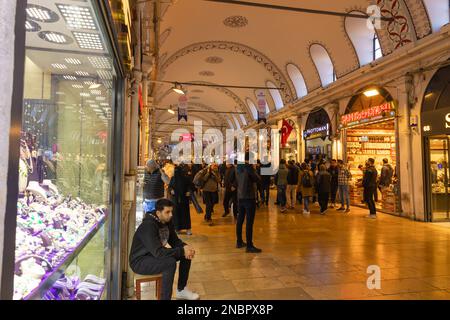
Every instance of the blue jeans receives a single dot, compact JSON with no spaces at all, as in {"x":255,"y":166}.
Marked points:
{"x":281,"y":195}
{"x":306,"y":203}
{"x":344,"y":194}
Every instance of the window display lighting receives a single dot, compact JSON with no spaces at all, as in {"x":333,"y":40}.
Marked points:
{"x":100,"y":62}
{"x":77,"y":17}
{"x":73,"y":61}
{"x":40,"y":13}
{"x":69,"y":77}
{"x":77,"y":86}
{"x":54,"y":37}
{"x":105,"y":74}
{"x":82,"y":73}
{"x":32,"y":26}
{"x":59,"y":66}
{"x":88,"y":40}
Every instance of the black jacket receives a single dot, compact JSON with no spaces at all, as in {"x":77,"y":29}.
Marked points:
{"x":265,"y":179}
{"x":153,"y":185}
{"x":230,"y":179}
{"x":323,"y":182}
{"x":334,"y":172}
{"x":292,"y":177}
{"x":247,"y":180}
{"x":148,"y":241}
{"x":370,"y":178}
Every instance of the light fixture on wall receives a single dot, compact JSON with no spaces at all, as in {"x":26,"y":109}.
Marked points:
{"x":170,"y":110}
{"x":159,"y":141}
{"x":178,"y":88}
{"x":371,"y":93}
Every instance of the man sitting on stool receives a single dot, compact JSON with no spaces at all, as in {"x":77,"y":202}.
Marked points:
{"x":149,"y":254}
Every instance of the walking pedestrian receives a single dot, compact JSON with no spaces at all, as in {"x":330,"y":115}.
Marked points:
{"x":281,"y":182}
{"x":292,"y":180}
{"x":370,"y":187}
{"x":306,"y":185}
{"x":323,"y":188}
{"x":265,"y":182}
{"x":180,"y":189}
{"x":230,"y":185}
{"x":344,"y":178}
{"x":208,"y":180}
{"x":334,"y":172}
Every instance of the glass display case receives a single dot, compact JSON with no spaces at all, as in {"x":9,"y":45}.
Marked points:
{"x":63,"y":235}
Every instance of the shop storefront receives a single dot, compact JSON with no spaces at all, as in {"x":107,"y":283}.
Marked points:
{"x":369,"y":130}
{"x":288,"y":151}
{"x":436,"y":134}
{"x":69,"y":132}
{"x":317,"y":136}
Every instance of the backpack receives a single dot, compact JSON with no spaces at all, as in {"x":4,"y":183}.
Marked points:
{"x":306,"y":180}
{"x":198,"y":181}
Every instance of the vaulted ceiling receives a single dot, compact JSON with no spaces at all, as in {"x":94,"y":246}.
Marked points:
{"x":216,"y":43}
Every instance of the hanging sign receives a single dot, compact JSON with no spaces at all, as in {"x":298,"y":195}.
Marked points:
{"x":262,"y":103}
{"x":318,"y":132}
{"x":384,"y":111}
{"x":182,"y":108}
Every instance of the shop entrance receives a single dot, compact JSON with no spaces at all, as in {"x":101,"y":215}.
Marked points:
{"x":438,"y":177}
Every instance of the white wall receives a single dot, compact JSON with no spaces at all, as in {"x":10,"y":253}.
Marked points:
{"x":7,"y":21}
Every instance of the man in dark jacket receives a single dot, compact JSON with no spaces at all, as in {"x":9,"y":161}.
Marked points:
{"x":154,"y":180}
{"x":323,"y":188}
{"x":292,"y":180}
{"x":370,"y":187}
{"x":386,"y":175}
{"x":265,"y":183}
{"x":230,"y":185}
{"x":149,"y":254}
{"x":334,"y":172}
{"x":247,"y":180}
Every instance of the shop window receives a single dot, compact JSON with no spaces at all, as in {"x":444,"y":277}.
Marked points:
{"x":253,"y":109}
{"x":438,"y":12}
{"x":437,"y":95}
{"x":298,"y":80}
{"x":65,"y":177}
{"x":276,"y":96}
{"x":323,"y":63}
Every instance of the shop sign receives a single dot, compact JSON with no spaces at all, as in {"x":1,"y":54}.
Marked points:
{"x":436,"y":122}
{"x":318,"y":132}
{"x":386,"y":110}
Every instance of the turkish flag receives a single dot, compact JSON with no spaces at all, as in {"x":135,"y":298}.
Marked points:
{"x":285,"y":132}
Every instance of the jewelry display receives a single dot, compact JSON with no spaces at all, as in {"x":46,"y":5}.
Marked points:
{"x":70,"y":288}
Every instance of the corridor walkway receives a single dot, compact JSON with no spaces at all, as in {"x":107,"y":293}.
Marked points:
{"x":320,"y":257}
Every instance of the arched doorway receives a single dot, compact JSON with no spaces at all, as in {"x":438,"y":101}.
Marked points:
{"x":436,"y":132}
{"x":317,"y":136}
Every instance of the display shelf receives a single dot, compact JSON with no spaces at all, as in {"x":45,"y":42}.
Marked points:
{"x":51,"y":277}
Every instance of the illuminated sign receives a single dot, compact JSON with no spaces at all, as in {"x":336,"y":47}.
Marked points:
{"x":317,"y":132}
{"x":386,"y":110}
{"x":436,"y":122}
{"x":447,"y":120}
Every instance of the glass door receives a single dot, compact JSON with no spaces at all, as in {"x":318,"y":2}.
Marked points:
{"x":439,"y":174}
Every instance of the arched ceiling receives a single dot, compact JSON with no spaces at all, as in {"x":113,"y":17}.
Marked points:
{"x":211,"y":42}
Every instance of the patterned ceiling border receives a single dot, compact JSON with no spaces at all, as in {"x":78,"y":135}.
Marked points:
{"x":420,"y":17}
{"x":280,"y":79}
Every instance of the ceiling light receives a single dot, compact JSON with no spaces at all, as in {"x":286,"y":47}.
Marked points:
{"x":96,"y":92}
{"x":40,"y":13}
{"x":77,"y":86}
{"x":170,"y":110}
{"x":73,"y":61}
{"x":429,"y":95}
{"x":94,"y":85}
{"x":69,"y":77}
{"x":32,"y":26}
{"x":178,"y":89}
{"x":88,"y":40}
{"x":77,"y":17}
{"x":59,"y":66}
{"x":371,"y":93}
{"x":55,"y":37}
{"x":100,"y":62}
{"x":85,"y":94}
{"x":82,"y":73}
{"x":159,"y":141}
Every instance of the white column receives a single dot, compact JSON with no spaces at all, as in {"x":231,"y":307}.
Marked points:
{"x":7,"y":23}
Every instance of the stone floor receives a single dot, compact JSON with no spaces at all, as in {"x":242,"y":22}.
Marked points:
{"x":319,"y":257}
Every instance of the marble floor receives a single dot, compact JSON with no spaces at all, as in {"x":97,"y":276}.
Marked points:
{"x":319,"y":257}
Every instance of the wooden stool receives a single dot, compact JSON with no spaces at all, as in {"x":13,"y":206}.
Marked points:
{"x":148,"y":278}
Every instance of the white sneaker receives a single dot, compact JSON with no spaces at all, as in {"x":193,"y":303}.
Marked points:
{"x":371,"y":216}
{"x":306,"y":212}
{"x":187,"y":294}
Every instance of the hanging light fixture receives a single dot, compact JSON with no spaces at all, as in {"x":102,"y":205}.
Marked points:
{"x":371,"y":93}
{"x":178,"y":88}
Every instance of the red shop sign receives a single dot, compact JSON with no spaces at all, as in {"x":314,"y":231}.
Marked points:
{"x":368,"y":114}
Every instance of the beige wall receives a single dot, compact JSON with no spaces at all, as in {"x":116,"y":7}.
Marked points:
{"x":37,"y":82}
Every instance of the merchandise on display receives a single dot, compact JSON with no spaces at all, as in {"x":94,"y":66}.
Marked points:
{"x":48,"y":232}
{"x":71,"y":288}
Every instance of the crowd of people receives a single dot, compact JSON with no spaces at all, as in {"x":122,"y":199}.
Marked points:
{"x":170,"y":189}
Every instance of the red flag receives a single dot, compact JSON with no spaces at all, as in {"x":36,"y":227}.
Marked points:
{"x":285,"y":132}
{"x":141,"y":100}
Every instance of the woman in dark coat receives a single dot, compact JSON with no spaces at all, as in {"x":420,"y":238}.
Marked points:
{"x":180,"y":190}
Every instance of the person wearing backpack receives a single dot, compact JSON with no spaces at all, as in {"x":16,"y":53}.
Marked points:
{"x":306,"y":185}
{"x":208,"y":181}
{"x":386,"y":175}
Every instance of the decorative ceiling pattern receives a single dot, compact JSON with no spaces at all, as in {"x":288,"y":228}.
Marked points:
{"x":240,"y":45}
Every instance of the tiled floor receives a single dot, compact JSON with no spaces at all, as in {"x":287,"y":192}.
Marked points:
{"x":319,"y":257}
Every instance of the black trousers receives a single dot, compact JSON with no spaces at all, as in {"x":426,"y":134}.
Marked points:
{"x":265,"y":191}
{"x":323,"y":200}
{"x":210,"y":199}
{"x":247,"y":209}
{"x":334,"y":189}
{"x":229,"y":198}
{"x":369,"y":194}
{"x":167,"y":266}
